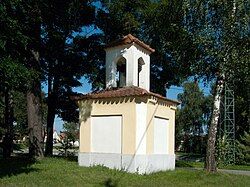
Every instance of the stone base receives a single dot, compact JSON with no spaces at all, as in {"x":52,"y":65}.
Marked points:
{"x":130,"y":163}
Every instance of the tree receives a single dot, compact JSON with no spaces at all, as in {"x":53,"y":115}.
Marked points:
{"x":231,"y":17}
{"x":20,"y":49}
{"x":174,"y":47}
{"x":192,"y":103}
{"x":13,"y":71}
{"x":1,"y":116}
{"x":192,"y":118}
{"x":31,"y":15}
{"x":114,"y":20}
{"x":63,"y":64}
{"x":241,"y":88}
{"x":176,"y":52}
{"x":20,"y":114}
{"x":243,"y":149}
{"x":72,"y":131}
{"x":220,"y":28}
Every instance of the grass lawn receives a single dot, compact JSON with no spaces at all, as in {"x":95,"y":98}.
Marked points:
{"x":181,"y":163}
{"x":62,"y":172}
{"x":197,"y":161}
{"x":236,"y":167}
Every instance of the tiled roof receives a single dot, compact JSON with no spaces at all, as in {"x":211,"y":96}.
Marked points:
{"x":129,"y":39}
{"x":121,"y":92}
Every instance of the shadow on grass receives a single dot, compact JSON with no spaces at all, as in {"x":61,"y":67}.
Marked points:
{"x":68,"y":158}
{"x":110,"y":183}
{"x":16,"y":165}
{"x":190,"y":157}
{"x":181,"y":164}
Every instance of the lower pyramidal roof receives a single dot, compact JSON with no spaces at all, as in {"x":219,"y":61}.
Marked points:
{"x":121,"y":92}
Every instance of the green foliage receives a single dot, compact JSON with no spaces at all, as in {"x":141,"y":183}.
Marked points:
{"x":157,"y":23}
{"x":176,"y":52}
{"x":191,"y":113}
{"x":114,"y":20}
{"x":64,"y":63}
{"x":20,"y":114}
{"x":220,"y":28}
{"x":14,"y":72}
{"x":119,"y":18}
{"x":192,"y":119}
{"x":242,"y":103}
{"x":71,"y":130}
{"x":66,"y":148}
{"x":222,"y":151}
{"x":243,"y":149}
{"x":1,"y":116}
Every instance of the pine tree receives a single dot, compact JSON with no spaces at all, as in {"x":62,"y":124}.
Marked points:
{"x":193,"y":117}
{"x":63,"y":63}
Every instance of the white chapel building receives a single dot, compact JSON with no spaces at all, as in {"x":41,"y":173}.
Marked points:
{"x":125,"y":126}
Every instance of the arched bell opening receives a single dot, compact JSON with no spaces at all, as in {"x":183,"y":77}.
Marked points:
{"x":121,"y":72}
{"x":140,"y":77}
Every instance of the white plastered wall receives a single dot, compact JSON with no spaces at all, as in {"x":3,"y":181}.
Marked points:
{"x":141,"y":128}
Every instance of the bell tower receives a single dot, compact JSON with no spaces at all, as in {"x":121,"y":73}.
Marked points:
{"x":128,"y":63}
{"x":129,"y":127}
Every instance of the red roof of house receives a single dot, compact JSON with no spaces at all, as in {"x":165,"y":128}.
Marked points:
{"x":121,"y":92}
{"x":130,"y":39}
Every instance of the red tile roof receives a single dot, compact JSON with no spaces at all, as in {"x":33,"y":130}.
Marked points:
{"x":130,"y":39}
{"x":121,"y":92}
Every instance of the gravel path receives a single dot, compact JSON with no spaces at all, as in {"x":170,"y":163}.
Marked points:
{"x":236,"y":172}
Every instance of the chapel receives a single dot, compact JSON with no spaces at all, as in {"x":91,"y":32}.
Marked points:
{"x":125,"y":126}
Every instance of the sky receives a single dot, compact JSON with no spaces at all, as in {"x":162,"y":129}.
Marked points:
{"x":171,"y":93}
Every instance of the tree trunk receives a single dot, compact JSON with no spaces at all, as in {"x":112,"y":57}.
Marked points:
{"x":52,"y":105}
{"x":210,"y":164}
{"x":35,"y":123}
{"x":9,"y":119}
{"x":50,"y":124}
{"x":35,"y":126}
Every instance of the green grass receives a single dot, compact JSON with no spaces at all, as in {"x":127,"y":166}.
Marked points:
{"x":189,"y":164}
{"x":236,"y":167}
{"x":61,"y":172}
{"x":182,"y":163}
